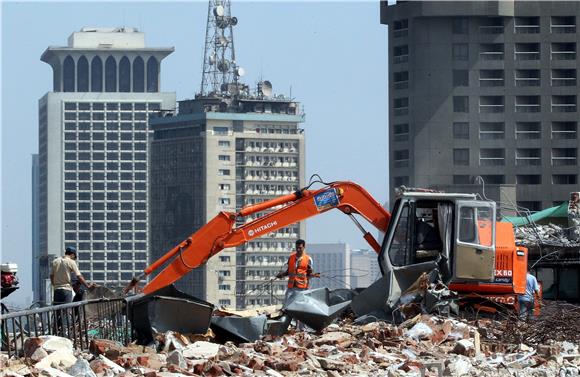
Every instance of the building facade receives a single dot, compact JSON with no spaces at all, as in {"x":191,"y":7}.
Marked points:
{"x":484,"y":89}
{"x":36,"y":286}
{"x":93,"y":152}
{"x":364,"y":268}
{"x":333,"y":262}
{"x":213,"y":157}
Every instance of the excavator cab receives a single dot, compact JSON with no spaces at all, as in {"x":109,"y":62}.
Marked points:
{"x":451,"y":232}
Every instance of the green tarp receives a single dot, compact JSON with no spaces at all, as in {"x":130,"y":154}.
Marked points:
{"x":559,"y":211}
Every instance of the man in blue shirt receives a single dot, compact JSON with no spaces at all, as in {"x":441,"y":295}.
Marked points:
{"x":526,"y":300}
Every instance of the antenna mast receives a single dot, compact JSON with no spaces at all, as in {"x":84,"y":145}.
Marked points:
{"x":220,"y":71}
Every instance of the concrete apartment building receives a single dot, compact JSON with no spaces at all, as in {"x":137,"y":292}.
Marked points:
{"x":333,"y":262}
{"x":93,"y":152}
{"x":364,"y":268}
{"x":219,"y":154}
{"x":484,"y":88}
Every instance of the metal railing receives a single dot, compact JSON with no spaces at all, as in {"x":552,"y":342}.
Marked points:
{"x":78,"y":321}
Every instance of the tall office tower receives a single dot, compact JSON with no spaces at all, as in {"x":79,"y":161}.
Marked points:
{"x":93,"y":144}
{"x":484,"y":89}
{"x":212,"y":157}
{"x":333,"y":262}
{"x":364,"y":268}
{"x":36,"y":286}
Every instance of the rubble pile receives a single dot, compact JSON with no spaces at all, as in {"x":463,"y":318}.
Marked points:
{"x":423,"y":345}
{"x":551,"y":234}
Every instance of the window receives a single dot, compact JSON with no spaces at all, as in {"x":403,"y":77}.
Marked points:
{"x":563,"y":104}
{"x":492,"y":157}
{"x":399,"y":250}
{"x":225,"y":258}
{"x":491,"y":51}
{"x":224,"y":157}
{"x":528,"y":104}
{"x":565,"y":179}
{"x":400,"y":28}
{"x":401,"y":80}
{"x":527,"y":25}
{"x":459,"y":25}
{"x":224,"y":186}
{"x":401,"y":54}
{"x":460,"y":104}
{"x":460,"y":77}
{"x":401,"y":132}
{"x":494,"y":179}
{"x":491,"y":25}
{"x":528,"y":130}
{"x":491,"y":104}
{"x":224,"y":201}
{"x":82,"y":75}
{"x":220,"y":130}
{"x":530,"y":205}
{"x":564,"y":156}
{"x":563,"y":130}
{"x":224,"y":302}
{"x":563,"y":24}
{"x":401,"y":158}
{"x":152,"y":75}
{"x":461,"y":157}
{"x":124,"y":75}
{"x":528,"y":179}
{"x":224,"y":287}
{"x":96,"y":74}
{"x":223,"y":143}
{"x":223,"y":171}
{"x":401,"y":106}
{"x":527,"y":51}
{"x":461,"y":130}
{"x":110,"y":75}
{"x":461,"y":179}
{"x":527,"y":77}
{"x":491,"y":130}
{"x":224,"y":273}
{"x":460,"y":51}
{"x":563,"y":51}
{"x":138,"y":75}
{"x":68,"y":79}
{"x":491,"y":77}
{"x":563,"y":77}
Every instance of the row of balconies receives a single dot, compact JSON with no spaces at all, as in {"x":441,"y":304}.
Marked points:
{"x":269,"y":164}
{"x":284,"y":178}
{"x":270,"y":149}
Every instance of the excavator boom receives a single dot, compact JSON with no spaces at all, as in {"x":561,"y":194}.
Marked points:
{"x":221,"y":232}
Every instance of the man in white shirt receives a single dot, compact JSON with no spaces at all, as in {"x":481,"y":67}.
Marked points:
{"x":60,"y":277}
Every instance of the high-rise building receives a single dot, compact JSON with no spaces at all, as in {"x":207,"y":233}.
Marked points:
{"x":36,"y":286}
{"x":333,"y":262}
{"x":93,"y":151}
{"x":484,"y":88}
{"x":221,"y":156}
{"x":364,"y":268}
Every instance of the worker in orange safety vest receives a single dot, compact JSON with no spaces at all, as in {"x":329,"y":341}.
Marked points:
{"x":299,"y":271}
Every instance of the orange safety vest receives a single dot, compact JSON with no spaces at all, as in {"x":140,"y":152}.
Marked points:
{"x":297,"y":277}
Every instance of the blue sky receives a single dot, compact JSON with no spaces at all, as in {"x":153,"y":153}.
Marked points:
{"x":333,"y":56}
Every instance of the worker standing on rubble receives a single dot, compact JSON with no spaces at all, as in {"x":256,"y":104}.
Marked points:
{"x":526,"y":301}
{"x":299,"y":271}
{"x":60,"y":277}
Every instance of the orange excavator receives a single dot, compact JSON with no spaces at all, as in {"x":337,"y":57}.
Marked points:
{"x":454,"y":233}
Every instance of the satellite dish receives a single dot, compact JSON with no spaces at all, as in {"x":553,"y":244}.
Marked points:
{"x":233,"y":21}
{"x":221,"y":40}
{"x":223,"y":65}
{"x":218,"y":11}
{"x":266,"y":88}
{"x":240,"y":71}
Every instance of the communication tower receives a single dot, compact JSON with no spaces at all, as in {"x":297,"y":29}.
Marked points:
{"x":220,"y":71}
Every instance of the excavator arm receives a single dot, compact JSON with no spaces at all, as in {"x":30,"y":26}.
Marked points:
{"x":221,"y":232}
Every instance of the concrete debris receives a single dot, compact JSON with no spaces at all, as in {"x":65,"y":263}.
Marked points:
{"x":551,"y":234}
{"x":424,"y":345}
